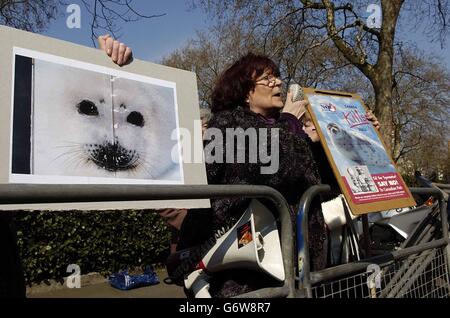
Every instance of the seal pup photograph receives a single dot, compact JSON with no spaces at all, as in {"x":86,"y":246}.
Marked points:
{"x":91,"y":124}
{"x":357,"y":147}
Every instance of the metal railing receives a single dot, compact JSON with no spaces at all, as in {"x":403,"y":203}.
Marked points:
{"x":406,"y":271}
{"x":69,"y":193}
{"x":341,"y":280}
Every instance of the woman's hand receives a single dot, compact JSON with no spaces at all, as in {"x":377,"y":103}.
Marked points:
{"x":118,"y":52}
{"x":297,"y":108}
{"x":373,"y":119}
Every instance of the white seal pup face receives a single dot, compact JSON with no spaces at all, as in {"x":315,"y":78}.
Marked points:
{"x":357,"y":147}
{"x":343,"y":142}
{"x":91,"y":124}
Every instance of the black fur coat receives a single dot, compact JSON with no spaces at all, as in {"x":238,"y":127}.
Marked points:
{"x":296,"y":172}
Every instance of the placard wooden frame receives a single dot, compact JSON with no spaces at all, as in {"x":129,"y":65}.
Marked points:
{"x":186,"y":93}
{"x":361,"y":208}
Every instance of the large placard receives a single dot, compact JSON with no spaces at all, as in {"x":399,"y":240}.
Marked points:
{"x":365,"y":172}
{"x":69,"y":115}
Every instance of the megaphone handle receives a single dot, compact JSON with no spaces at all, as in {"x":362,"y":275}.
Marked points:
{"x":203,"y":291}
{"x":197,"y":282}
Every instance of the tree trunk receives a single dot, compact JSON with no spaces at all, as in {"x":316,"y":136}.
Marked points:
{"x":383,"y":111}
{"x":383,"y":78}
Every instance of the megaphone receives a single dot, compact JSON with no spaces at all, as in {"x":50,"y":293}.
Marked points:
{"x":252,"y":243}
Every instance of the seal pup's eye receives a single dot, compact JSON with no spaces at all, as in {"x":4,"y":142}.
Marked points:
{"x":86,"y":107}
{"x":136,"y":118}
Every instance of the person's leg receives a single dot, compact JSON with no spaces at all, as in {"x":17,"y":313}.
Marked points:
{"x":174,"y":233}
{"x":12,"y":282}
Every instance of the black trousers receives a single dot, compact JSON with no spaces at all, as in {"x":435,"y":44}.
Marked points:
{"x":12,"y":282}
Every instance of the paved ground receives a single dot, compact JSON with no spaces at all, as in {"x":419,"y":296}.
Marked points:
{"x":103,"y":289}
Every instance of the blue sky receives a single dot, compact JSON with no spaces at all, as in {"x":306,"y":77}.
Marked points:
{"x":151,"y":39}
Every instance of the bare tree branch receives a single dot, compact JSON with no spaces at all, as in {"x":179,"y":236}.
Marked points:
{"x":106,"y":13}
{"x":355,"y":58}
{"x":35,"y":15}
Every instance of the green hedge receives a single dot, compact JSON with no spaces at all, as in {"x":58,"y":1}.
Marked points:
{"x":97,"y":241}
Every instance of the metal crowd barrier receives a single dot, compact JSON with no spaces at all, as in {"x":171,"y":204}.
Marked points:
{"x":419,"y":268}
{"x":68,"y":193}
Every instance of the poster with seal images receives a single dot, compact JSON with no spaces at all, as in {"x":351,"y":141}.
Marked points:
{"x":69,"y":115}
{"x":366,"y":174}
{"x":79,"y":122}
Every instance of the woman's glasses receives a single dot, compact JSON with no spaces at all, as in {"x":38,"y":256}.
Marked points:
{"x":268,"y":80}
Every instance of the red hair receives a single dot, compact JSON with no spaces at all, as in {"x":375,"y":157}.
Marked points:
{"x":235,"y":83}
